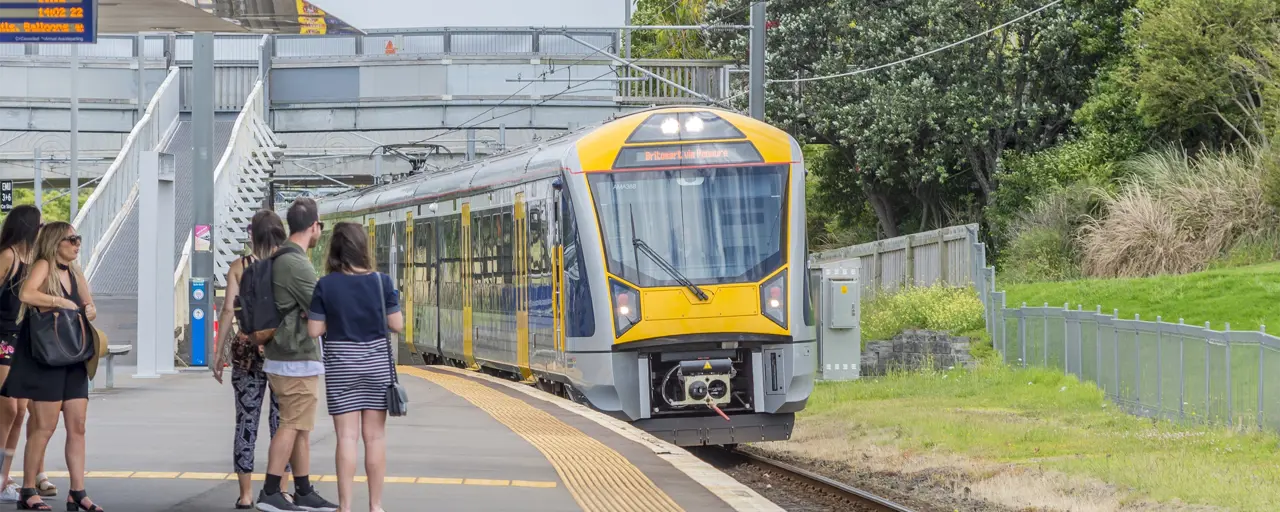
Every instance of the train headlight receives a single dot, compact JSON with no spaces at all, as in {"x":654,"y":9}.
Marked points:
{"x":773,"y":299}
{"x":626,"y":306}
{"x":670,"y":126}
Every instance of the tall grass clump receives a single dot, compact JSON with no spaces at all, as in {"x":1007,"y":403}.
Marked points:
{"x":1178,"y":213}
{"x":936,"y":308}
{"x":1043,"y":243}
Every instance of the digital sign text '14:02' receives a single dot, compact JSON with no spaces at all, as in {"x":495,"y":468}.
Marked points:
{"x":48,"y":21}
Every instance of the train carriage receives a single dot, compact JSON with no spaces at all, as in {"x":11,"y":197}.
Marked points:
{"x":652,"y":267}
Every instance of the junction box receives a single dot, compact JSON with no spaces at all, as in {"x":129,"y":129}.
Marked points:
{"x":839,"y":317}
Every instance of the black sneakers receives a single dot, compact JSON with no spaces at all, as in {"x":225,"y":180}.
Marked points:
{"x":313,"y":502}
{"x":278,"y":502}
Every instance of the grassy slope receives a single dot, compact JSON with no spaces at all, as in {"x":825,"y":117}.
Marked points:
{"x":1045,"y":419}
{"x":1246,"y":297}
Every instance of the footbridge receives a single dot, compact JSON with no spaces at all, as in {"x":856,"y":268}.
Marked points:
{"x":299,"y":111}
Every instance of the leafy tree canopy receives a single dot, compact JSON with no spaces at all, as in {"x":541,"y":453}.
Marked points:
{"x":922,"y":141}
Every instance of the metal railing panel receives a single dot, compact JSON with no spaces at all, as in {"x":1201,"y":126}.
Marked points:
{"x":105,"y":209}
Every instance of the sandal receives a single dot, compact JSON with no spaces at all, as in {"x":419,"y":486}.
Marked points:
{"x":46,"y":487}
{"x":243,"y":506}
{"x":24,"y":500}
{"x":79,"y":498}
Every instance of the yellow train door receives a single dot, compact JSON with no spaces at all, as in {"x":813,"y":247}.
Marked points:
{"x":521,"y":255}
{"x":468,"y":278}
{"x":407,"y":284}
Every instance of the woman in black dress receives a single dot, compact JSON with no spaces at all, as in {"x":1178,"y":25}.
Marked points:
{"x":17,"y":243}
{"x":55,"y":281}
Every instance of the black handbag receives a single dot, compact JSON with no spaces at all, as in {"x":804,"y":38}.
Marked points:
{"x":59,"y":337}
{"x":397,"y":398}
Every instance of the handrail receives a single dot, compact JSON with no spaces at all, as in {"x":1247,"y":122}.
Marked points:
{"x":105,"y":209}
{"x":252,"y":104}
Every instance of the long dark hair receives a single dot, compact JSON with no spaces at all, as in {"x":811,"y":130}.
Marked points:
{"x":348,"y":249}
{"x":20,"y":229}
{"x":266,"y":233}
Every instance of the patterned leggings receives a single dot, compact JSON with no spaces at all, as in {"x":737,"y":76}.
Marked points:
{"x":250,"y":388}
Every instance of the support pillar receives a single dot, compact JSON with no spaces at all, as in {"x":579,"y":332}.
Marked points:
{"x":155,"y":264}
{"x":39,"y":179}
{"x":203,"y":185}
{"x":75,"y":132}
{"x":757,"y":59}
{"x":166,"y":264}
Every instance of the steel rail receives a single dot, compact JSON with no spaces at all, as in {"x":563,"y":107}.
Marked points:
{"x":806,"y":476}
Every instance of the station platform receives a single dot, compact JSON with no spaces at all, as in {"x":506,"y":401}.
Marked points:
{"x":469,"y":443}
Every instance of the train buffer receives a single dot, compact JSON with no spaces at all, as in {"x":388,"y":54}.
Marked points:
{"x":469,"y":442}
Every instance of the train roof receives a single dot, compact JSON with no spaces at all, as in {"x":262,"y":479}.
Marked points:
{"x":508,"y":166}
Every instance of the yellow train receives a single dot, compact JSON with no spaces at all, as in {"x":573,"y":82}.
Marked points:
{"x":653,"y":267}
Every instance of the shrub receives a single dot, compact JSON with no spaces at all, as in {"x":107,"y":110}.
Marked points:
{"x":938,"y":308}
{"x":1272,"y":184}
{"x":1043,"y":245}
{"x":1178,"y":214}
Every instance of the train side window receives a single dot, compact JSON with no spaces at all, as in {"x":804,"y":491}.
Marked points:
{"x":579,"y":312}
{"x":505,"y":258}
{"x":538,"y":261}
{"x":808,"y":292}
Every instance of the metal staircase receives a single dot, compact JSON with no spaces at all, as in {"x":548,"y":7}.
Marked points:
{"x":109,"y":219}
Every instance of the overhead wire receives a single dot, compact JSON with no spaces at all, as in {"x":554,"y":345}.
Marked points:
{"x":919,"y":56}
{"x":544,"y":74}
{"x":568,"y":89}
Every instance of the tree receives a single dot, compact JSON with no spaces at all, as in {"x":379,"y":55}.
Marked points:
{"x":1205,"y":71}
{"x":670,"y":44}
{"x":923,"y":140}
{"x":56,"y":205}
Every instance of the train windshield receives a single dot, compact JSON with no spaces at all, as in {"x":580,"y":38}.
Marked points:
{"x":709,"y":226}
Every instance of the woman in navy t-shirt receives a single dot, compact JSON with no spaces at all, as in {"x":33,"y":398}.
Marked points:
{"x":354,"y":309}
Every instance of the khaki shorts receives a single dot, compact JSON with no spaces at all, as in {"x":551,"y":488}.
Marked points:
{"x":298,"y":397}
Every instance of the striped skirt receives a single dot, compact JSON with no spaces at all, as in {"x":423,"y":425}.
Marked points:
{"x":356,"y":375}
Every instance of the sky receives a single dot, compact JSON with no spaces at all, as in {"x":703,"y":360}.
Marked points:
{"x":376,"y":14}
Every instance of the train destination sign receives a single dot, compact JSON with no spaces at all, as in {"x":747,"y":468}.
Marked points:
{"x":679,"y":155}
{"x":48,"y":21}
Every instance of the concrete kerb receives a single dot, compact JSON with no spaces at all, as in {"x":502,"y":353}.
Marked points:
{"x":732,"y":492}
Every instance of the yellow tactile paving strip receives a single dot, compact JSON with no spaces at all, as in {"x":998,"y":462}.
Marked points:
{"x":599,"y":478}
{"x":178,"y":475}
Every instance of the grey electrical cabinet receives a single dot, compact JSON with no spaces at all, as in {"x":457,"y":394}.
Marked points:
{"x":839,"y":331}
{"x":843,"y":307}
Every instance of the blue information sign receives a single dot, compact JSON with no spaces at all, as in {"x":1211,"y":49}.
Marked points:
{"x":48,"y":21}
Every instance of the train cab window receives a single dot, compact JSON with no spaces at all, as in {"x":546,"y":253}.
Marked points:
{"x":713,"y":225}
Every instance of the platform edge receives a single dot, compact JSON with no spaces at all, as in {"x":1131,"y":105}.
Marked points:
{"x":738,"y":496}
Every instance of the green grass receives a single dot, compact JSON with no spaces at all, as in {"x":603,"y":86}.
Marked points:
{"x":1045,"y":419}
{"x":1246,"y":297}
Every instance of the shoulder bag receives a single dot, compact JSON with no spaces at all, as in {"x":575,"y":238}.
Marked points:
{"x":59,"y":337}
{"x":397,"y":398}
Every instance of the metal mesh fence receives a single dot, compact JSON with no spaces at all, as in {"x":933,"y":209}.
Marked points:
{"x":1151,"y":367}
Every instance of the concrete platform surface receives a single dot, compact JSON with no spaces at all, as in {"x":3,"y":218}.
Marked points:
{"x":468,"y":443}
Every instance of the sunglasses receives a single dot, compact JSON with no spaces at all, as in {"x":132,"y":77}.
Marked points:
{"x":73,"y":239}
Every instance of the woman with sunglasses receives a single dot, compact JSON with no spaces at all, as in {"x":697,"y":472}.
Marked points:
{"x":55,"y":281}
{"x":17,"y":243}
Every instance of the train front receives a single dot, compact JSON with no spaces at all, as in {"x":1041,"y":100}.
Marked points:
{"x":699,"y":226}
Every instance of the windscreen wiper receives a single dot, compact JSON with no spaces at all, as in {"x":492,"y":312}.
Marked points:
{"x":657,"y":258}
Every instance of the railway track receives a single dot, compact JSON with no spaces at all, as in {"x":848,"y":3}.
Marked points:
{"x":859,"y":499}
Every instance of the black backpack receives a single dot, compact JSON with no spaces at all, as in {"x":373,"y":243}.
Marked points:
{"x":255,"y":304}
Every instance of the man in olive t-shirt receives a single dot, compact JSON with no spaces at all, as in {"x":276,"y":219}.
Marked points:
{"x":293,"y":367}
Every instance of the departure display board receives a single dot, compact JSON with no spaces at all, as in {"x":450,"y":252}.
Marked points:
{"x":48,"y":21}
